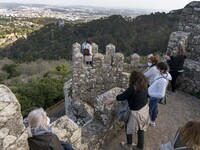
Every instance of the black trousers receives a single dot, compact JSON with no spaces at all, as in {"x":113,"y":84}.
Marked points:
{"x":140,"y":136}
{"x":89,"y":62}
{"x":174,"y":75}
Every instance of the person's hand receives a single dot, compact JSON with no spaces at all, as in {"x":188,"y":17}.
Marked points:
{"x":122,"y":89}
{"x":166,"y":57}
{"x":109,"y":101}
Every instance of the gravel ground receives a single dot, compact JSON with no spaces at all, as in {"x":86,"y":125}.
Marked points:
{"x":179,"y":109}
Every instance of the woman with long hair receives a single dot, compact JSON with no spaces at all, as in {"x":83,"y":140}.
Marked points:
{"x":136,"y":95}
{"x":189,"y":136}
{"x":176,"y":64}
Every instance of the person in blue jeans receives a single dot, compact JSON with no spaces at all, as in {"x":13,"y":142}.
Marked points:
{"x":157,"y":90}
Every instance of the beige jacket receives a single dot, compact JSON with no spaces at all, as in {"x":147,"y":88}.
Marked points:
{"x":138,"y":119}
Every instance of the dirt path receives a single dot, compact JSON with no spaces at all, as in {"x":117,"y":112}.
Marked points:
{"x":180,"y":108}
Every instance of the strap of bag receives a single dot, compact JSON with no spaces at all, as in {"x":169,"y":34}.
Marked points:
{"x":162,"y":77}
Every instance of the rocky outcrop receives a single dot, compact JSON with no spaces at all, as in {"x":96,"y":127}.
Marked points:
{"x":12,"y":131}
{"x":189,"y":34}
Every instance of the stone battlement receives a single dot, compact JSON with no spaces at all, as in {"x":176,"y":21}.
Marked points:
{"x":108,"y":71}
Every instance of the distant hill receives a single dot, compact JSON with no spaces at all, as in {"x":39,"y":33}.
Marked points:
{"x":144,"y":34}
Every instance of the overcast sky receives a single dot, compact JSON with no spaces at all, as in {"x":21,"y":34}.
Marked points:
{"x":166,"y":5}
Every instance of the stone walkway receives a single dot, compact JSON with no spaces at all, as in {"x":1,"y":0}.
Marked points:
{"x":179,"y":109}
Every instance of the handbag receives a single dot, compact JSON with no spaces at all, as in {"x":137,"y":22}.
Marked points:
{"x":123,"y":111}
{"x":163,"y":100}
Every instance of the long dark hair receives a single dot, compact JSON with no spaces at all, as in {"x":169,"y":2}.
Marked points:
{"x":138,"y":80}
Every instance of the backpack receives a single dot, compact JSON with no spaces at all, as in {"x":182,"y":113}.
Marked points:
{"x":86,"y":52}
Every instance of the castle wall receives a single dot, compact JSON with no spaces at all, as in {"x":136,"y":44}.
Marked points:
{"x":107,"y":72}
{"x":12,"y":130}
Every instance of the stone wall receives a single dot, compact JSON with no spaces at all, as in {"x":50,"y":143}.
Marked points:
{"x":189,"y":34}
{"x":88,"y":136}
{"x":12,"y":130}
{"x":88,"y":123}
{"x":107,"y":72}
{"x":89,"y":84}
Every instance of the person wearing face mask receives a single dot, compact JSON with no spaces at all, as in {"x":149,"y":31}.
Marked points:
{"x":152,"y":70}
{"x":40,"y":133}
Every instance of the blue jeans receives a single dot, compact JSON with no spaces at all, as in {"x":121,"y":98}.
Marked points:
{"x":153,"y":107}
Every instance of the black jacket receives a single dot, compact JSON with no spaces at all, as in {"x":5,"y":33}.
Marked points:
{"x":136,"y":99}
{"x":176,"y":62}
{"x":46,"y":141}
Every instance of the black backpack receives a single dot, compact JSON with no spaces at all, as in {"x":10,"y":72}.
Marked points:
{"x":86,"y":52}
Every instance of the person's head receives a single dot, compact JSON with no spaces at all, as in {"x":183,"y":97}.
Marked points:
{"x":180,"y":49}
{"x":162,"y":67}
{"x":38,"y":118}
{"x":89,"y":41}
{"x":190,"y":134}
{"x":153,"y":60}
{"x":138,"y":80}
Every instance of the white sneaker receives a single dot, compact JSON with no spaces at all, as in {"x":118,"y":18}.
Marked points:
{"x":126,"y":146}
{"x":152,"y":123}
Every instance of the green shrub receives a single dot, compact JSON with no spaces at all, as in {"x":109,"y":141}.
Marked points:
{"x":44,"y":92}
{"x":11,"y":69}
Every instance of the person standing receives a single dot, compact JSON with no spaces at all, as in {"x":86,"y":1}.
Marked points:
{"x":176,"y":65}
{"x":157,"y":90}
{"x":87,"y":51}
{"x":152,"y":70}
{"x":136,"y":95}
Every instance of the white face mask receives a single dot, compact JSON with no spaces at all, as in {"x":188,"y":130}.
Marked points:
{"x":149,"y":64}
{"x":48,"y":121}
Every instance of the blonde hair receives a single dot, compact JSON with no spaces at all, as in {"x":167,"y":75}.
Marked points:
{"x":180,"y":48}
{"x":190,"y":134}
{"x":37,"y":118}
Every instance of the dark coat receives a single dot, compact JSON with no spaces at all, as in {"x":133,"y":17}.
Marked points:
{"x":46,"y":141}
{"x":176,"y":63}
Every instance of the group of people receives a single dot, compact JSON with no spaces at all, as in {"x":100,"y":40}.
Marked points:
{"x":145,"y":91}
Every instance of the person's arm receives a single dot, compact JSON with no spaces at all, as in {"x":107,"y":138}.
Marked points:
{"x":148,"y":73}
{"x":125,"y":95}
